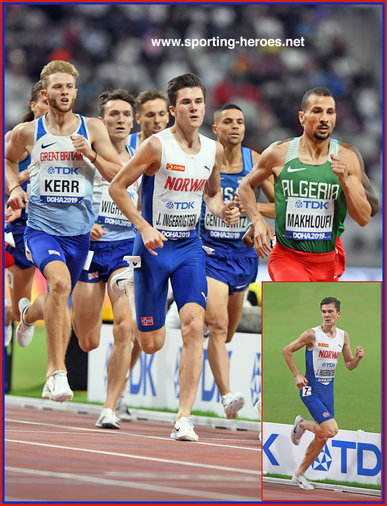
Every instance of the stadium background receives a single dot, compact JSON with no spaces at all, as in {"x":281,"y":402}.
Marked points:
{"x":110,"y":45}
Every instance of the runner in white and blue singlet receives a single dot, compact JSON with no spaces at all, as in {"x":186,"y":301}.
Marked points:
{"x":65,"y":149}
{"x":112,"y":238}
{"x":230,"y":265}
{"x":324,"y":345}
{"x":179,"y":167}
{"x":21,"y":273}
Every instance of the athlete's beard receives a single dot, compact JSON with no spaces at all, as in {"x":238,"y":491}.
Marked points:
{"x":61,"y":108}
{"x":321,"y":137}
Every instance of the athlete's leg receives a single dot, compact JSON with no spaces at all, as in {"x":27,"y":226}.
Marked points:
{"x":87,"y":303}
{"x":323,"y":432}
{"x":216,"y":318}
{"x":56,"y":315}
{"x":22,"y":280}
{"x":120,"y":355}
{"x":191,"y":358}
{"x":235,"y":309}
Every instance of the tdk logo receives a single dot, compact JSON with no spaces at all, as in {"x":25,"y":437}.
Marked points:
{"x":180,"y":205}
{"x":63,"y":170}
{"x":310,"y":204}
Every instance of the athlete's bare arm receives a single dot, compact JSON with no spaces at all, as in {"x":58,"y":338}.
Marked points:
{"x":370,"y":192}
{"x":106,"y":161}
{"x":213,"y":196}
{"x":347,"y":169}
{"x":146,"y":160}
{"x":351,"y":361}
{"x":307,"y":339}
{"x":19,"y":142}
{"x":270,"y":164}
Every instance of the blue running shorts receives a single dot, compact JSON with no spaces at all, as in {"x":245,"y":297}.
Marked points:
{"x":235,"y":268}
{"x":107,"y":258}
{"x":45,"y":248}
{"x":321,"y":408}
{"x":18,"y":252}
{"x":180,"y":260}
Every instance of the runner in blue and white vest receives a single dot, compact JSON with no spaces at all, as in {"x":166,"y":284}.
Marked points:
{"x":21,"y":273}
{"x":230,"y":265}
{"x":179,"y":167}
{"x":323,"y":346}
{"x":112,"y":238}
{"x":65,"y":150}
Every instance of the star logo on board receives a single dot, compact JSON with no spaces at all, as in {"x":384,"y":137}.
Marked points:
{"x":323,"y":461}
{"x":255,"y":385}
{"x":176,"y":379}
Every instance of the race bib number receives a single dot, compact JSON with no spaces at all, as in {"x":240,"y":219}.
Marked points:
{"x":61,"y":185}
{"x":110,"y":214}
{"x":309,"y":219}
{"x":306,"y":391}
{"x":217,"y":227}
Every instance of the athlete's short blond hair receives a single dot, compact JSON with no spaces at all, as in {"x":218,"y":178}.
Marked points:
{"x":55,"y":66}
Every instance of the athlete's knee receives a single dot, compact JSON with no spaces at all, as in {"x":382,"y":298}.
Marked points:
{"x":218,"y":328}
{"x":192,"y":330}
{"x":122,"y":332}
{"x":329,"y":430}
{"x":151,"y":342}
{"x":59,"y":284}
{"x":88,"y":344}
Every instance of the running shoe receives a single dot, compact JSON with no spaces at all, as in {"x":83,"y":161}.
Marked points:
{"x":121,"y":279}
{"x":121,"y":409}
{"x":107,"y":419}
{"x":302,"y":482}
{"x":184,"y":431}
{"x":232,"y":403}
{"x":8,"y":334}
{"x":57,"y":388}
{"x":297,"y":433}
{"x":24,"y":331}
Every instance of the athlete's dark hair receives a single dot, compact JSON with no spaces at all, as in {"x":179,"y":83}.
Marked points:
{"x":147,"y":95}
{"x":225,"y":107}
{"x":184,"y":81}
{"x":35,"y":90}
{"x":117,"y":94}
{"x":320,"y":91}
{"x":331,"y":300}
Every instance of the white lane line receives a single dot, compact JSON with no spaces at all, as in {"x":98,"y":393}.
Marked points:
{"x":138,"y":457}
{"x":141,"y":486}
{"x":122,"y":433}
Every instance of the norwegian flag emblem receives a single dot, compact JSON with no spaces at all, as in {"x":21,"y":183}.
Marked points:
{"x":146,"y":320}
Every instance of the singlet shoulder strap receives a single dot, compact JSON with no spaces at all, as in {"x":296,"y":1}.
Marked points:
{"x":292,"y":151}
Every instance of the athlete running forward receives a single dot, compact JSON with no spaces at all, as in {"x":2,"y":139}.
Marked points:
{"x":324,"y":345}
{"x":179,"y":168}
{"x":65,"y":150}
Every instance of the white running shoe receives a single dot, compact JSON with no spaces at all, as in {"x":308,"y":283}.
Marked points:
{"x":8,"y":332}
{"x":57,"y":388}
{"x":107,"y":419}
{"x":183,"y":430}
{"x":297,"y":433}
{"x":121,"y":279}
{"x":121,"y":409}
{"x":302,"y":482}
{"x":232,"y":403}
{"x":24,"y":331}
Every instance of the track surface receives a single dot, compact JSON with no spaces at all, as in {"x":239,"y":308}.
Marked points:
{"x":61,"y":456}
{"x":281,"y":493}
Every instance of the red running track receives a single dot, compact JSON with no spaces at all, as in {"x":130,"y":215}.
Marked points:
{"x":61,"y":456}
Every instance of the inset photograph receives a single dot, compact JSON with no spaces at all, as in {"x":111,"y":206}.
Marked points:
{"x":321,"y":391}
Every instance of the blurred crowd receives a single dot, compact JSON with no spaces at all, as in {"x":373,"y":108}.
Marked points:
{"x":110,"y":44}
